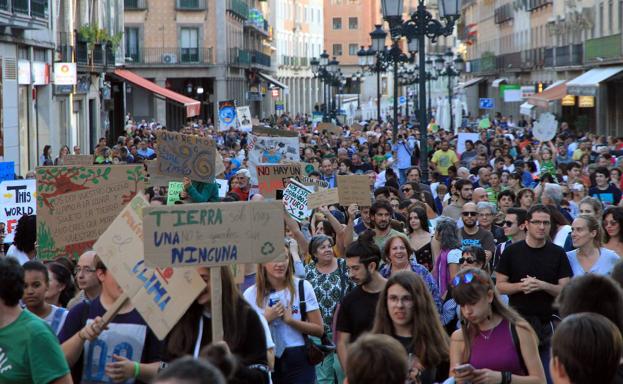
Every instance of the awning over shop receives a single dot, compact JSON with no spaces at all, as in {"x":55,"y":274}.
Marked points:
{"x":471,"y":82}
{"x":193,"y":107}
{"x":273,"y":81}
{"x":496,"y":83}
{"x":526,"y":109}
{"x":588,"y":83}
{"x":554,"y":92}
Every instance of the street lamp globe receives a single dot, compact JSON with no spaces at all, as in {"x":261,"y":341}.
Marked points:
{"x":332,"y":67}
{"x":315,"y":63}
{"x":378,"y":38}
{"x":439,"y":63}
{"x":392,"y":9}
{"x":324,"y":59}
{"x":413,"y":45}
{"x":459,"y":64}
{"x":450,"y":8}
{"x":362,"y":57}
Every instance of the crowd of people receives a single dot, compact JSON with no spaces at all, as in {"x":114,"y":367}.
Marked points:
{"x":498,"y":264}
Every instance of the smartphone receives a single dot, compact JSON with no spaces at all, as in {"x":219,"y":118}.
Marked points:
{"x":280,"y":194}
{"x":464,"y":368}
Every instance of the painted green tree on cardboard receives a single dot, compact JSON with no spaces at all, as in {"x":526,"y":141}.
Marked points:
{"x":53,"y":182}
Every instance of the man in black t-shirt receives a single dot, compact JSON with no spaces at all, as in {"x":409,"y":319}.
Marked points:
{"x":532,"y":273}
{"x":356,"y":311}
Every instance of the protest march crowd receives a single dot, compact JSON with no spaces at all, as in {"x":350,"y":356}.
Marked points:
{"x":498,"y":264}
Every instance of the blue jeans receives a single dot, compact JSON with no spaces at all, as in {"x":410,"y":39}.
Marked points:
{"x":292,"y":368}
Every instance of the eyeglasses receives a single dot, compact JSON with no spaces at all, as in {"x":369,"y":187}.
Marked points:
{"x":508,"y":223}
{"x":539,"y":223}
{"x":467,"y":278}
{"x":86,"y":270}
{"x":469,"y":214}
{"x":467,"y":260}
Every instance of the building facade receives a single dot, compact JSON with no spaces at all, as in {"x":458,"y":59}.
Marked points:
{"x":209,"y":51}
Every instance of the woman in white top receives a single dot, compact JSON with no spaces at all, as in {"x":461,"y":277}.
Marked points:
{"x":276,"y":295}
{"x":36,"y":284}
{"x":589,"y":256}
{"x":23,"y":248}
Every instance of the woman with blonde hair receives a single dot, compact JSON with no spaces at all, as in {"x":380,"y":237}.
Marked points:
{"x":589,"y":256}
{"x":494,"y":344}
{"x":406,"y":311}
{"x":277,"y":295}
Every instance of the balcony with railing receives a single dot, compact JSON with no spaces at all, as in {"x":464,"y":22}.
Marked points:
{"x":260,"y":58}
{"x":533,"y":5}
{"x":23,"y":14}
{"x":509,"y":61}
{"x":190,"y":5}
{"x":238,"y":8}
{"x":257,"y":22}
{"x":135,"y":5}
{"x":503,"y":13}
{"x":549,"y":57}
{"x":169,"y":56}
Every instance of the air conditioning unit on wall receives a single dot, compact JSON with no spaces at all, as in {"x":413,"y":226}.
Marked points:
{"x":169,"y":58}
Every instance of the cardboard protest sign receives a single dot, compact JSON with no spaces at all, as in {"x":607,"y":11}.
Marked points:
{"x":327,"y":197}
{"x":261,"y":131}
{"x":76,"y":204}
{"x":186,"y":155}
{"x":295,"y":200}
{"x":330,"y":128}
{"x":545,"y":127}
{"x":226,"y":114}
{"x":161,"y":296}
{"x":314,"y":182}
{"x":272,"y":177}
{"x":244,"y":118}
{"x":155,"y":178}
{"x":173,"y":194}
{"x":78,"y":160}
{"x":17,"y":198}
{"x":213,"y":234}
{"x":7,"y":170}
{"x":271,"y":150}
{"x":463,"y":137}
{"x":354,"y":189}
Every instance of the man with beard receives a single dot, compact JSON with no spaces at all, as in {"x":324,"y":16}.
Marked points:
{"x":472,"y":234}
{"x":464,"y":189}
{"x":355,"y":314}
{"x":380,"y":217}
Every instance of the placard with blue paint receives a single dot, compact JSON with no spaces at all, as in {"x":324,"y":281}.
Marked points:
{"x":7,"y":170}
{"x":161,"y":296}
{"x":17,"y":198}
{"x":213,"y":234}
{"x":227,"y":114}
{"x":186,"y":155}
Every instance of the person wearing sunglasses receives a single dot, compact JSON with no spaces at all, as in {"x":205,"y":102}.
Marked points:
{"x":494,"y":344}
{"x":514,"y":230}
{"x":471,"y":233}
{"x":532,"y":273}
{"x":407,"y":312}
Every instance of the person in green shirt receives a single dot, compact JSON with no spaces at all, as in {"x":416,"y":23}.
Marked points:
{"x":200,"y":192}
{"x":29,"y":351}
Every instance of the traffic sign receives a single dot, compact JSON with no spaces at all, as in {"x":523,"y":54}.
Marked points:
{"x":487,"y":103}
{"x":402,"y":100}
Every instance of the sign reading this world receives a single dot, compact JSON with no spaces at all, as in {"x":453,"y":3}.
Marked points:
{"x":17,"y":198}
{"x":213,"y":234}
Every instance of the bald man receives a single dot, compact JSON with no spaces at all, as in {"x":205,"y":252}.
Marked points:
{"x":86,"y":279}
{"x":480,"y":194}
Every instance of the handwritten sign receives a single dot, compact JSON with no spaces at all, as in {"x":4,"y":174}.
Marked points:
{"x":213,"y":234}
{"x":173,"y":194}
{"x":330,"y":128}
{"x":223,"y":187}
{"x":7,"y":170}
{"x":76,"y":204}
{"x":271,"y":150}
{"x":156,"y":179}
{"x":272,"y":177}
{"x":78,"y":160}
{"x":327,"y":197}
{"x":354,"y":189}
{"x":314,"y":182}
{"x":186,"y":155}
{"x":17,"y":198}
{"x":161,"y":296}
{"x":295,"y":200}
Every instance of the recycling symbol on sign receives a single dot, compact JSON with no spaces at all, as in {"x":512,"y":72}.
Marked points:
{"x":267,"y":248}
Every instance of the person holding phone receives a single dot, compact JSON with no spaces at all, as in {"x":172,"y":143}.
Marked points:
{"x":494,"y":344}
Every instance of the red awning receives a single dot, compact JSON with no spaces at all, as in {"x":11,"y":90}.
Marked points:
{"x":553,"y":93}
{"x":192,"y":106}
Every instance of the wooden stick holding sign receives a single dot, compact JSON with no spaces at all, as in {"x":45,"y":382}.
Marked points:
{"x":212,"y":235}
{"x":114,"y":310}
